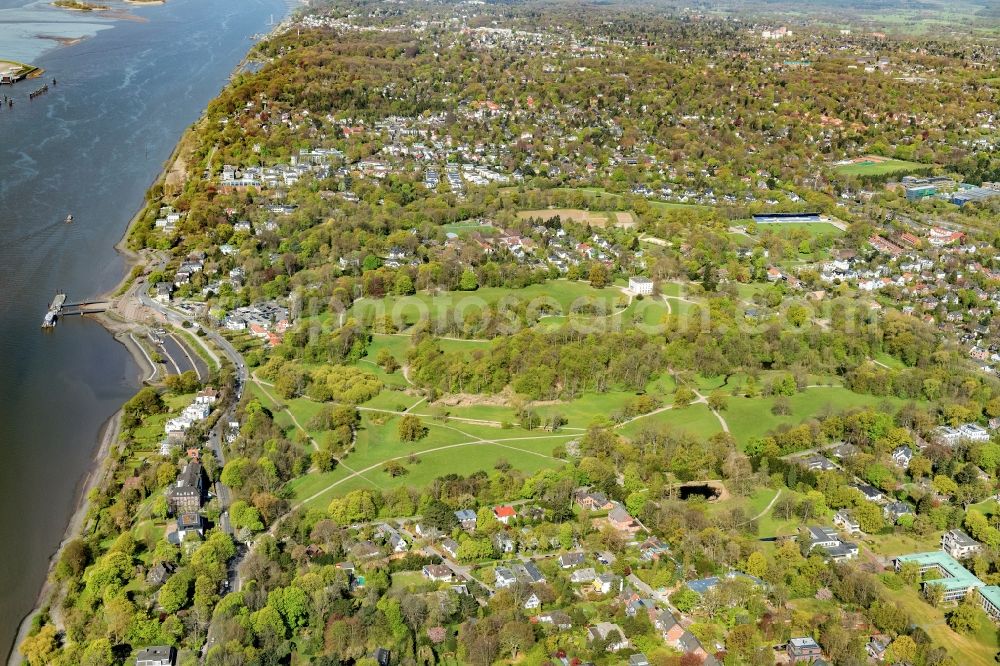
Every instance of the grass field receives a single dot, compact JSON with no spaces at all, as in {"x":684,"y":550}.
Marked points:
{"x":752,"y":417}
{"x":594,"y":218}
{"x":695,"y":419}
{"x":813,"y":229}
{"x":558,"y":297}
{"x":978,"y":649}
{"x":447,"y":449}
{"x":877,"y":166}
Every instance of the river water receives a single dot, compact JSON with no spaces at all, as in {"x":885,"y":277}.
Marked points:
{"x":91,"y":146}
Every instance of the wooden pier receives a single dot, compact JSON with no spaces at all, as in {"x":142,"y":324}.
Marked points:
{"x":60,"y":308}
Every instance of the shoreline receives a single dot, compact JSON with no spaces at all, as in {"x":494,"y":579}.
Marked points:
{"x":108,"y":436}
{"x":110,"y":433}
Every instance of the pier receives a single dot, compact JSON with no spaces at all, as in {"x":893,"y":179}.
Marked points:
{"x":60,"y":308}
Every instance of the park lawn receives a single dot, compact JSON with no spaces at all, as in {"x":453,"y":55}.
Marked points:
{"x":467,"y":227}
{"x":889,"y":360}
{"x":753,"y":504}
{"x":812,"y":229}
{"x":456,"y":457}
{"x":976,"y":650}
{"x":899,"y":543}
{"x":752,"y":417}
{"x":695,"y":419}
{"x":557,"y":296}
{"x":393,"y":401}
{"x":647,"y":312}
{"x":678,"y":307}
{"x":395,"y":379}
{"x":589,"y":407}
{"x":871,"y":168}
{"x":987,"y":507}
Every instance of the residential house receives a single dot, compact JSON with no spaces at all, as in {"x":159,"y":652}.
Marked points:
{"x":450,"y":547}
{"x":186,"y":494}
{"x":652,"y":549}
{"x":558,"y":619}
{"x":639,"y":606}
{"x":669,"y":628}
{"x":620,"y":520}
{"x":580,"y":576}
{"x":605,"y":583}
{"x":503,"y":543}
{"x":638,"y":659}
{"x":438,"y":573}
{"x":827,"y":540}
{"x":532,"y":602}
{"x":593,"y":501}
{"x":504,"y":577}
{"x":818,"y":463}
{"x":467,"y":519}
{"x":895,"y":510}
{"x":803,"y":649}
{"x":609,"y":633}
{"x":902,"y":455}
{"x":425,"y":531}
{"x":159,"y":574}
{"x":570,"y":560}
{"x":504,"y":513}
{"x":641,"y":286}
{"x":959,"y":545}
{"x":156,"y":655}
{"x":189,"y":524}
{"x":527,"y":572}
{"x":843,"y":520}
{"x":871,"y":493}
{"x":877,"y":646}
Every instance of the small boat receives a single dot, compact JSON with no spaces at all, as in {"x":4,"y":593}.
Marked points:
{"x":69,"y":218}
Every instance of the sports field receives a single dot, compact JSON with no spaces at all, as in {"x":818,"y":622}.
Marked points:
{"x":874,"y":165}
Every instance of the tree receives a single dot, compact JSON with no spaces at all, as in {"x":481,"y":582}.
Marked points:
{"x":292,"y":603}
{"x":411,"y":428}
{"x":685,"y":599}
{"x":468,"y":281}
{"x":386,"y":360}
{"x":718,"y":401}
{"x":243,"y":515}
{"x":599,"y":275}
{"x":176,"y":592}
{"x":869,"y":517}
{"x":40,"y":648}
{"x":966,"y":617}
{"x":683,"y":396}
{"x":902,"y":650}
{"x":472,"y":550}
{"x":933,"y":593}
{"x":403,"y":285}
{"x":756,"y":564}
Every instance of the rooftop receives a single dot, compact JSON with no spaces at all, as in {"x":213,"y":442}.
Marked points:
{"x":955,"y":576}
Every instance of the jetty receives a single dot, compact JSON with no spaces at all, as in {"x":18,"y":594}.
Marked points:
{"x":55,"y":309}
{"x":60,"y":308}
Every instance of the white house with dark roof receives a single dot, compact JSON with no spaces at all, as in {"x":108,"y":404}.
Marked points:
{"x":959,"y":545}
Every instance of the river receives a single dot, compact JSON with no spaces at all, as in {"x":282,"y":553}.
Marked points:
{"x":91,"y":146}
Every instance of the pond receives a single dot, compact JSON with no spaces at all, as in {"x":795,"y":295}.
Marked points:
{"x":699,"y":491}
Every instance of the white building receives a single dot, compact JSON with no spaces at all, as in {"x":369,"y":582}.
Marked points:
{"x":641,"y":286}
{"x":959,"y":545}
